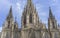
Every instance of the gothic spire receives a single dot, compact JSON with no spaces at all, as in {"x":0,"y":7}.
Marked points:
{"x":15,"y":21}
{"x":10,"y":13}
{"x":51,"y":21}
{"x":30,"y":7}
{"x":50,"y":13}
{"x":15,"y":24}
{"x":30,"y":15}
{"x":29,"y":2}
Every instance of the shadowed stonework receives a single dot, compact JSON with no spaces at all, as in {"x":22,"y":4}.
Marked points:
{"x":31,"y":27}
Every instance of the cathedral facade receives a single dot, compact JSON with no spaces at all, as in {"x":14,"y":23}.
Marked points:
{"x":31,"y":27}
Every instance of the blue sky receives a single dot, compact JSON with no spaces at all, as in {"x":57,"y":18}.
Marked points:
{"x":42,"y":7}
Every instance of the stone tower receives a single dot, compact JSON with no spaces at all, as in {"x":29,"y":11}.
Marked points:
{"x":9,"y":26}
{"x":30,"y":21}
{"x":31,"y":26}
{"x":52,"y":23}
{"x":52,"y":26}
{"x":29,"y":16}
{"x":9,"y":20}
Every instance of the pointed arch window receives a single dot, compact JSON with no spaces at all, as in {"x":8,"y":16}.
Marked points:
{"x":30,"y":18}
{"x":53,"y":24}
{"x":24,"y":19}
{"x":8,"y":23}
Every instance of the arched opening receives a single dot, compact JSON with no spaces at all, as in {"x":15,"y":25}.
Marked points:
{"x":8,"y":23}
{"x":30,"y":18}
{"x":53,"y":24}
{"x":24,"y":21}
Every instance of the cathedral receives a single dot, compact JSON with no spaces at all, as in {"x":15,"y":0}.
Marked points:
{"x":31,"y":27}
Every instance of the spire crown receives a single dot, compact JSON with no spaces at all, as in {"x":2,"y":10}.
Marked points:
{"x":15,"y":20}
{"x":10,"y":13}
{"x":15,"y":23}
{"x":10,"y":9}
{"x":50,"y":13}
{"x":29,"y":2}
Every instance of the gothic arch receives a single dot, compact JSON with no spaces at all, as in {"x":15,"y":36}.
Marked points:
{"x":30,"y":18}
{"x":24,"y":19}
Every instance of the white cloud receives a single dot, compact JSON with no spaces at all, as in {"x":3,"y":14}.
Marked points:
{"x":43,"y":14}
{"x":0,"y":29}
{"x":18,"y":6}
{"x":45,"y":22}
{"x":39,"y":6}
{"x":55,"y":3}
{"x":5,"y":2}
{"x":54,"y":0}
